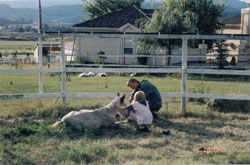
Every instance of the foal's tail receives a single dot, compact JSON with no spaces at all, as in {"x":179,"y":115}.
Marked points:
{"x":57,"y":123}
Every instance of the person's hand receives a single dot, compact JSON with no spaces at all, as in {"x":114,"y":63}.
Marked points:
{"x":130,"y":98}
{"x":121,"y":107}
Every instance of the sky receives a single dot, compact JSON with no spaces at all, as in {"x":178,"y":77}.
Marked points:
{"x":248,"y":1}
{"x":60,"y":0}
{"x":41,"y":0}
{"x":47,"y":3}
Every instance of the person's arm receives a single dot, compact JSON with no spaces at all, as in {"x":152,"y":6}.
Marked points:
{"x":123,"y":107}
{"x":131,"y":98}
{"x":146,"y":91}
{"x":130,"y":108}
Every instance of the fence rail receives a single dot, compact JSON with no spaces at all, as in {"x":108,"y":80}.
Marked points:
{"x":111,"y":95}
{"x":134,"y":35}
{"x":130,"y":70}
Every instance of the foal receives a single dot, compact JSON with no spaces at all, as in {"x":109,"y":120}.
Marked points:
{"x":102,"y":117}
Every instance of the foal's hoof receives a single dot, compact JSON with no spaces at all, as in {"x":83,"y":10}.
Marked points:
{"x":166,"y":132}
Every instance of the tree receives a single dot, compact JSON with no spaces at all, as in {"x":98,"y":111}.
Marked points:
{"x":19,"y":29}
{"x":178,"y":16}
{"x":28,"y":28}
{"x":207,"y":13}
{"x":210,"y":10}
{"x":96,"y":8}
{"x":168,"y":19}
{"x":220,"y":47}
{"x":233,"y":61}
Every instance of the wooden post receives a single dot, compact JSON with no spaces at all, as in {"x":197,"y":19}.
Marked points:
{"x":184,"y":74}
{"x":63,"y":73}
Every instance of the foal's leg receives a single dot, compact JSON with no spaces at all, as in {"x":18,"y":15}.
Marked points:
{"x":57,"y":123}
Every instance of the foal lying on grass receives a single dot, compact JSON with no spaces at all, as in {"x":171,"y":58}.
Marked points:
{"x":102,"y":117}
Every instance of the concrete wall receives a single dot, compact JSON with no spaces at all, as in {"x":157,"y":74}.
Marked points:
{"x":245,"y":20}
{"x":237,"y":47}
{"x":92,"y":46}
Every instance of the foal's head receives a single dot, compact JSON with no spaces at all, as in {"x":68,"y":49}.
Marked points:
{"x":118,"y":102}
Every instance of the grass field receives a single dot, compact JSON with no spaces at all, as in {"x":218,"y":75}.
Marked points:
{"x":26,"y":137}
{"x":8,"y":48}
{"x":28,"y":83}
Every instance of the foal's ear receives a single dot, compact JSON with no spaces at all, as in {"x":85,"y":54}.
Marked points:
{"x":118,"y":94}
{"x":122,"y":99}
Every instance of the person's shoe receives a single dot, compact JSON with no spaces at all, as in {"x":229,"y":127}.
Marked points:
{"x":143,"y":129}
{"x":130,"y":120}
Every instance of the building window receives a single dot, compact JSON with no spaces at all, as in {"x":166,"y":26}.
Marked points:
{"x":128,"y":46}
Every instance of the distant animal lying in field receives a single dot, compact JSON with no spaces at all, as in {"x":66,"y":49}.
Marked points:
{"x":102,"y":117}
{"x":92,"y":74}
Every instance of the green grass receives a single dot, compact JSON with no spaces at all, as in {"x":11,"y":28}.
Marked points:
{"x":17,"y":45}
{"x":22,"y":47}
{"x":26,"y":137}
{"x":28,"y":83}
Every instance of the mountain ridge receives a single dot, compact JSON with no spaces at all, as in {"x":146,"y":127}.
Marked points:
{"x":74,"y":13}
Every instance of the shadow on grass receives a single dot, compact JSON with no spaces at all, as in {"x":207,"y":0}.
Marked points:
{"x":203,"y":130}
{"x":209,"y":115}
{"x":220,"y":78}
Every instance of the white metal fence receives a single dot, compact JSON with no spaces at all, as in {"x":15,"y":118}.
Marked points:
{"x":184,"y":70}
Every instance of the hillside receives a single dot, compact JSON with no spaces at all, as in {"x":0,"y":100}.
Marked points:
{"x":67,"y":13}
{"x":233,"y":7}
{"x":34,"y":3}
{"x":4,"y":21}
{"x":74,"y":13}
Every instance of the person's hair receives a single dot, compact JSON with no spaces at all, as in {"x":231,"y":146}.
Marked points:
{"x":139,"y":96}
{"x":133,"y":80}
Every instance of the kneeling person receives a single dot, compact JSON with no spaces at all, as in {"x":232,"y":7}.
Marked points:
{"x":151,"y":92}
{"x":139,"y":111}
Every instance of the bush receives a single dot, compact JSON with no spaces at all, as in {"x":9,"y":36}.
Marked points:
{"x":202,"y":87}
{"x":233,"y":61}
{"x":80,"y":60}
{"x":6,"y":54}
{"x":229,"y":105}
{"x":239,"y":158}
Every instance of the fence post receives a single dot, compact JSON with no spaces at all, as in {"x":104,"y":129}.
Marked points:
{"x":40,"y":61}
{"x":63,"y":72}
{"x":184,"y":74}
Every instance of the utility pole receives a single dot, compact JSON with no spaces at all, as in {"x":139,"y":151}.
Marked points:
{"x":40,"y":18}
{"x":40,"y":48}
{"x":153,"y":4}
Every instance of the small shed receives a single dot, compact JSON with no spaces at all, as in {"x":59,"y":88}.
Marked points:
{"x":51,"y":52}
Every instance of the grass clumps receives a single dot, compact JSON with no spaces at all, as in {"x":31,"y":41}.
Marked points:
{"x":229,"y":105}
{"x":27,"y":138}
{"x":83,"y":154}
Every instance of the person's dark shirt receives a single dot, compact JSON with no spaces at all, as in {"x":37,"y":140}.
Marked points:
{"x":152,"y":95}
